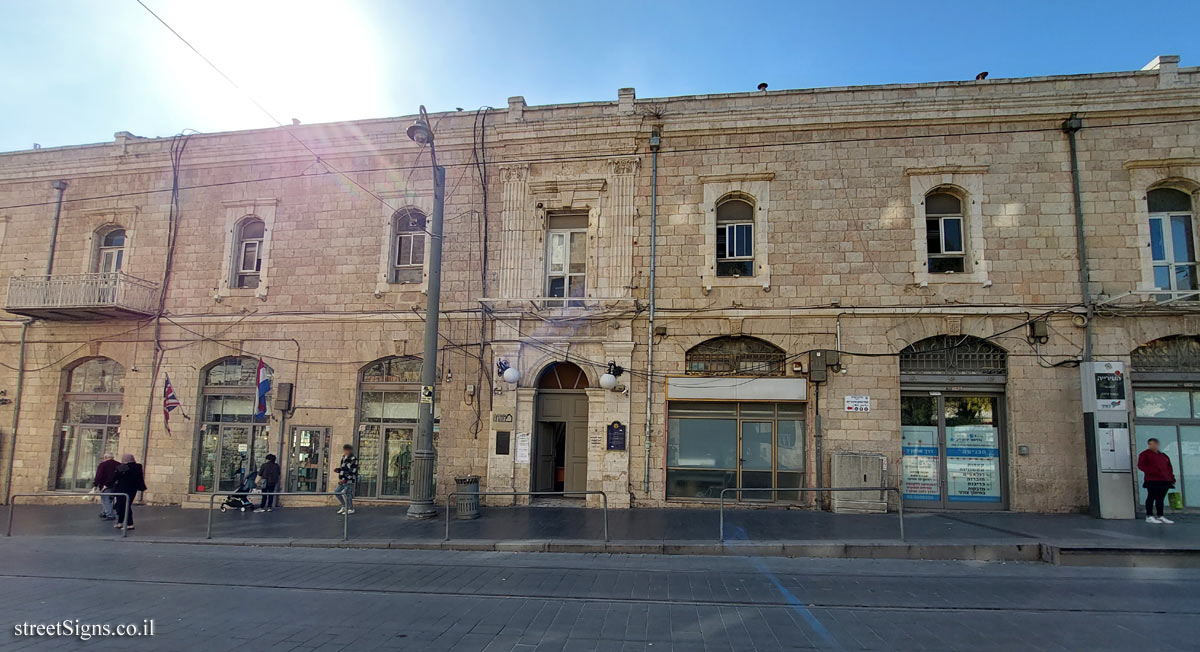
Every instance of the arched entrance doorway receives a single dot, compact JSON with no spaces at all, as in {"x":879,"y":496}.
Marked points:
{"x":560,"y":453}
{"x":1166,"y":403}
{"x":952,"y":423}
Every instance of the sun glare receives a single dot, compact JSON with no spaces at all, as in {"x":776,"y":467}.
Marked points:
{"x":314,"y":61}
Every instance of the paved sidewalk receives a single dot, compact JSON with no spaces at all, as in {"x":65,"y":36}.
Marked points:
{"x":643,"y":530}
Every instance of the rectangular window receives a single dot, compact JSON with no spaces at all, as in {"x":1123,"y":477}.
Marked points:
{"x":566,"y":265}
{"x":944,"y":239}
{"x":409,"y":261}
{"x":735,"y":249}
{"x":1173,"y":255}
{"x":249,"y":264}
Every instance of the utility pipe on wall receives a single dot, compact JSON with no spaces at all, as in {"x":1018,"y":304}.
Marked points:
{"x":655,"y":142}
{"x":16,"y":415}
{"x":61,"y":187}
{"x":1070,"y":126}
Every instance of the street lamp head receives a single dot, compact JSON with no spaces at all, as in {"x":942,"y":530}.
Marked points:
{"x":419,"y":131}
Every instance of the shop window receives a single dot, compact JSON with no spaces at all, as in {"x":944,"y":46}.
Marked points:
{"x":1172,"y":243}
{"x":91,"y":422}
{"x":248,"y":253}
{"x":944,"y":233}
{"x":232,"y":442}
{"x":408,"y":246}
{"x":743,"y":356}
{"x":715,"y":446}
{"x":566,"y":258}
{"x":735,"y":237}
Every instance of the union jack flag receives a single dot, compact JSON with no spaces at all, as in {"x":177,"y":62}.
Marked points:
{"x":170,"y":402}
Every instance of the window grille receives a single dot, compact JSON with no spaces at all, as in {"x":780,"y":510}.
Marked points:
{"x":949,"y":355}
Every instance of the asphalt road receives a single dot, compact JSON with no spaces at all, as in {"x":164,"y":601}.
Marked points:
{"x":214,"y":598}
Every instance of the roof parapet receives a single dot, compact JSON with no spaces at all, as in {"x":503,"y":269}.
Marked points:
{"x":1167,"y":66}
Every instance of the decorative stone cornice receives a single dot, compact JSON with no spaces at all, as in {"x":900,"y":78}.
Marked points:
{"x":555,"y":186}
{"x":946,"y":169}
{"x":738,"y":178}
{"x":1161,"y":163}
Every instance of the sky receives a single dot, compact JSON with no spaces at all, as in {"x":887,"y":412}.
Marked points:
{"x":76,"y":71}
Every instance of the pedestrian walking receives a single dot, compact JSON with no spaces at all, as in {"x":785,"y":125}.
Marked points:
{"x":347,"y":477}
{"x":1158,"y":478}
{"x":106,"y":473}
{"x":269,"y":472}
{"x":129,"y":480}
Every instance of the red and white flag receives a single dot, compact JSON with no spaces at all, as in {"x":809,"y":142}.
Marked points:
{"x":170,"y":402}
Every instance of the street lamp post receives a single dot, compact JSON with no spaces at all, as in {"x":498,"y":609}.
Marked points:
{"x":421,"y":505}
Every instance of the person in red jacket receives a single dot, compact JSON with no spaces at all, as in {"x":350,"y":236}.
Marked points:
{"x":1158,"y":478}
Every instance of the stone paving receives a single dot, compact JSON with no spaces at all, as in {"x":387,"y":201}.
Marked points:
{"x":647,"y":525}
{"x":222,"y":598}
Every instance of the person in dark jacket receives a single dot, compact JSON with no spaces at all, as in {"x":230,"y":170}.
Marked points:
{"x":347,"y":472}
{"x":1158,"y":478}
{"x":106,"y":472}
{"x":129,"y":480}
{"x":269,"y":472}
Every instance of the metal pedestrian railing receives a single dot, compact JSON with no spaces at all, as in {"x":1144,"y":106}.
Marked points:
{"x":12,"y":506}
{"x":899,"y":500}
{"x":213,"y":497}
{"x":452,"y":494}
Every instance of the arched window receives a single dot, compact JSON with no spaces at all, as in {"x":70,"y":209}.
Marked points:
{"x":232,"y":440}
{"x":389,"y":393}
{"x":1172,"y":242}
{"x":408,"y":246}
{"x":91,"y":421}
{"x":1175,"y":354}
{"x":945,"y":235}
{"x":953,"y":355}
{"x":735,"y":236}
{"x":110,"y":250}
{"x":248,"y":253}
{"x":743,"y":356}
{"x":562,"y":375}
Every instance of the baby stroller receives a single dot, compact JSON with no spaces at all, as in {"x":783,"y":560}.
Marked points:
{"x":240,"y":499}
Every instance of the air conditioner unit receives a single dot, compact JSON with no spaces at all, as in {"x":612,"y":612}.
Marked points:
{"x":859,"y":470}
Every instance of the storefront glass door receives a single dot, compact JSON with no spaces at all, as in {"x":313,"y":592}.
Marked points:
{"x":952,"y":448}
{"x":1173,"y":418}
{"x":755,"y":465}
{"x":398,"y":444}
{"x":310,"y":459}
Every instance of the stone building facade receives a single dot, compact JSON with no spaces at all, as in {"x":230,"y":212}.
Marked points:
{"x":888,"y":269}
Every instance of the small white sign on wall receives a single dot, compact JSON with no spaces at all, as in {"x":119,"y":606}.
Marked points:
{"x":522,"y":456}
{"x":858,"y":403}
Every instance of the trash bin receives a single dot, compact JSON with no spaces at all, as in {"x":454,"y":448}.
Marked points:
{"x":467,"y":498}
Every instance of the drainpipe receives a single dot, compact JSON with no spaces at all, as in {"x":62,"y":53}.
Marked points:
{"x":817,"y":439}
{"x":16,"y":415}
{"x":1070,"y":126}
{"x":655,"y":141}
{"x":61,"y":187}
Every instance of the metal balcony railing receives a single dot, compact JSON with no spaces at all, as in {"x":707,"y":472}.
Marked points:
{"x":81,"y":296}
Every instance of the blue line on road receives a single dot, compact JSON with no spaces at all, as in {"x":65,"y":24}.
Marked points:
{"x":739,"y":533}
